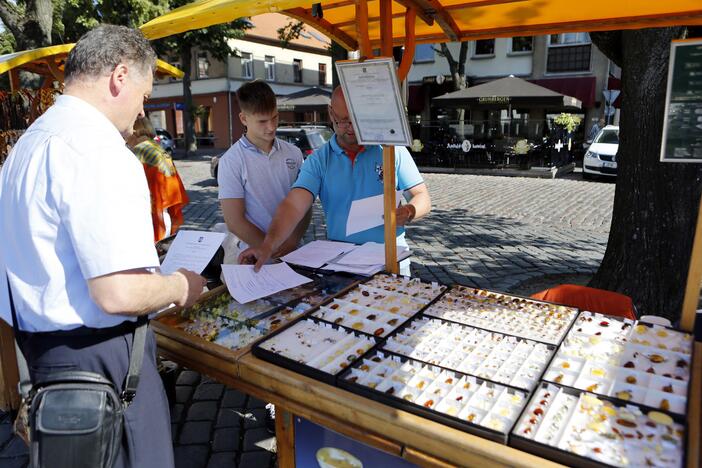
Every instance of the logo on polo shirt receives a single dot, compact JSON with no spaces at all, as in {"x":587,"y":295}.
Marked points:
{"x":292,"y":165}
{"x":379,"y":171}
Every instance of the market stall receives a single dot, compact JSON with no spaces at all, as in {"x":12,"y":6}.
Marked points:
{"x":436,"y":375}
{"x":626,"y":403}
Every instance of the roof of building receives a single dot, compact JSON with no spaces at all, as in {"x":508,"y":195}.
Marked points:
{"x":266,"y":27}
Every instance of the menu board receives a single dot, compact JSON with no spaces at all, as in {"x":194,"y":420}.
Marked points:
{"x":682,"y":126}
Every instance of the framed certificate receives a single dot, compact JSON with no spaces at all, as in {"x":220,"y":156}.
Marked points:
{"x":682,"y":124}
{"x":375,"y":105}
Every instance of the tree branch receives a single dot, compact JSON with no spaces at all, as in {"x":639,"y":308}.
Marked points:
{"x":11,"y":16}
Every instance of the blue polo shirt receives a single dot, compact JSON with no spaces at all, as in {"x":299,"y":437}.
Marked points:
{"x":331,"y":175}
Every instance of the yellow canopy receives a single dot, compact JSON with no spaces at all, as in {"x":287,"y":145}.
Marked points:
{"x":442,"y":20}
{"x":48,"y":61}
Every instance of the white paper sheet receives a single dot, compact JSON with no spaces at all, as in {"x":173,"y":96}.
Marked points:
{"x":367,"y":213}
{"x":365,"y":270}
{"x":371,"y":253}
{"x":245,"y":285}
{"x":191,"y":250}
{"x":317,"y":253}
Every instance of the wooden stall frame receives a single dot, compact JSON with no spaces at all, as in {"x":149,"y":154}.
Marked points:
{"x":694,"y":279}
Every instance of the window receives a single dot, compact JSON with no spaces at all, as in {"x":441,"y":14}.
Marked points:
{"x":297,"y":70}
{"x":568,"y":52}
{"x":203,"y":65}
{"x":522,"y":44}
{"x":270,"y":67}
{"x":322,"y":74}
{"x":424,"y":53}
{"x":246,"y":65}
{"x":485,"y":47}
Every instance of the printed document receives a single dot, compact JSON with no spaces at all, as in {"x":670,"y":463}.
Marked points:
{"x":317,"y":253}
{"x":245,"y":285}
{"x":191,"y":250}
{"x":367,"y":213}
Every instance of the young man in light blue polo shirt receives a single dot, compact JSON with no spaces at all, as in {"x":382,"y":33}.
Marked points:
{"x":256,"y":173}
{"x":339,"y":173}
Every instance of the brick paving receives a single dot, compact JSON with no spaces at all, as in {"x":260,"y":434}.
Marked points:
{"x":493,"y":232}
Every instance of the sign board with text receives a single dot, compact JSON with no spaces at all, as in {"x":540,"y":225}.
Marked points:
{"x":375,"y":105}
{"x":682,"y":125}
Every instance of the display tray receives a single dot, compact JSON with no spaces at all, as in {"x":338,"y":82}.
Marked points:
{"x":467,"y":403}
{"x":581,"y":429}
{"x":505,"y":313}
{"x":485,"y":354}
{"x":220,"y":325}
{"x":627,"y":360}
{"x":314,"y":348}
{"x":413,"y":287}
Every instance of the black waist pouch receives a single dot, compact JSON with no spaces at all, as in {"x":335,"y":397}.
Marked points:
{"x":75,"y":420}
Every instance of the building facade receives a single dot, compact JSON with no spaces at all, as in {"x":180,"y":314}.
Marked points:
{"x":566,"y":63}
{"x":305,"y":63}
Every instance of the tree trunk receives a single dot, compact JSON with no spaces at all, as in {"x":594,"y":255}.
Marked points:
{"x":188,"y":118}
{"x":655,"y":204}
{"x":337,"y":53}
{"x":31,"y":28}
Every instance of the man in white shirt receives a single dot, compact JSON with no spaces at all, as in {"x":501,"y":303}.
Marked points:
{"x":76,"y":239}
{"x":256,"y":173}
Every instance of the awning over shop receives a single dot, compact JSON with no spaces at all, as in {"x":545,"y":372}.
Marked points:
{"x":504,"y":92}
{"x":48,"y":61}
{"x":440,"y":20}
{"x":582,"y":88}
{"x":310,"y":99}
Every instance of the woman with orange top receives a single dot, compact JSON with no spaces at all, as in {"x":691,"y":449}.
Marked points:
{"x":168,"y":195}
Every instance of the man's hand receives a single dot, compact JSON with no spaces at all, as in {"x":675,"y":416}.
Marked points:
{"x":257,"y":256}
{"x":192,"y":287}
{"x":404,"y":214}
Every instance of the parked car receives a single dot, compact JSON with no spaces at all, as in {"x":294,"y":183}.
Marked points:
{"x":165,"y":139}
{"x":601,"y":156}
{"x":308,"y":138}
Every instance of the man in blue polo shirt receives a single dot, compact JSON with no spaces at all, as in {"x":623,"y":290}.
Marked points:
{"x":339,"y":173}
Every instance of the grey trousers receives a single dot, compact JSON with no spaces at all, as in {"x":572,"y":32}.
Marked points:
{"x":146,"y":441}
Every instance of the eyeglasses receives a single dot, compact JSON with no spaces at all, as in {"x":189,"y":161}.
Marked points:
{"x":346,"y":124}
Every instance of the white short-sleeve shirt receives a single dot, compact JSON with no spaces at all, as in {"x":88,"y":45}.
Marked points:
{"x":74,"y":205}
{"x":262,"y":180}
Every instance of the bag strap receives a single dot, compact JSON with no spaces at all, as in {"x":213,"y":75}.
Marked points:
{"x":24,"y":384}
{"x":136,"y":357}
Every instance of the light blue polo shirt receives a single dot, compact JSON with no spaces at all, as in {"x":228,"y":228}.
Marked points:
{"x":330,"y":175}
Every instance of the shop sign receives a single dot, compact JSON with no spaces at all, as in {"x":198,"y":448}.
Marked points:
{"x":494,"y":100}
{"x":682,"y":124}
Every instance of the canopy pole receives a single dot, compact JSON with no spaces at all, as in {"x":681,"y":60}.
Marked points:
{"x":14,"y":80}
{"x":389,"y":202}
{"x":408,"y":53}
{"x":694,"y":278}
{"x":362,"y":28}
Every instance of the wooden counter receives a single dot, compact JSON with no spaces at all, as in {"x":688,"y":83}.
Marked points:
{"x":419,"y":440}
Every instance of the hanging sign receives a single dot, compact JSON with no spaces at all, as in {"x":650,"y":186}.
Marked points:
{"x":375,"y":105}
{"x":682,"y":125}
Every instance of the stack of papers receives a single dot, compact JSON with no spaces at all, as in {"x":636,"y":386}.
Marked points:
{"x":317,"y":253}
{"x":245,"y":285}
{"x":367,"y":259}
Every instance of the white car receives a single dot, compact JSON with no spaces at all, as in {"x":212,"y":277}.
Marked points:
{"x":601,"y":156}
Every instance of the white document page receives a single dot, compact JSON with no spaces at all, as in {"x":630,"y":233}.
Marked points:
{"x":366,"y":270}
{"x":191,"y":250}
{"x":371,"y":253}
{"x":245,"y":285}
{"x":367,"y":213}
{"x":317,"y":253}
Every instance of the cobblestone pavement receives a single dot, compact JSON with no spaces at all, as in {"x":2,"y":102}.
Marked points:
{"x":493,"y":232}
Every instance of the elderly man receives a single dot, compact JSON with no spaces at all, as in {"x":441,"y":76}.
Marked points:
{"x":339,"y":173}
{"x":76,"y":239}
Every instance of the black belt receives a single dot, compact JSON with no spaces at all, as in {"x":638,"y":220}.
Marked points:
{"x":121,"y":329}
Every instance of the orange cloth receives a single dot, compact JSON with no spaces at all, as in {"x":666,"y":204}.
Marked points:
{"x":592,"y":299}
{"x":167,"y":190}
